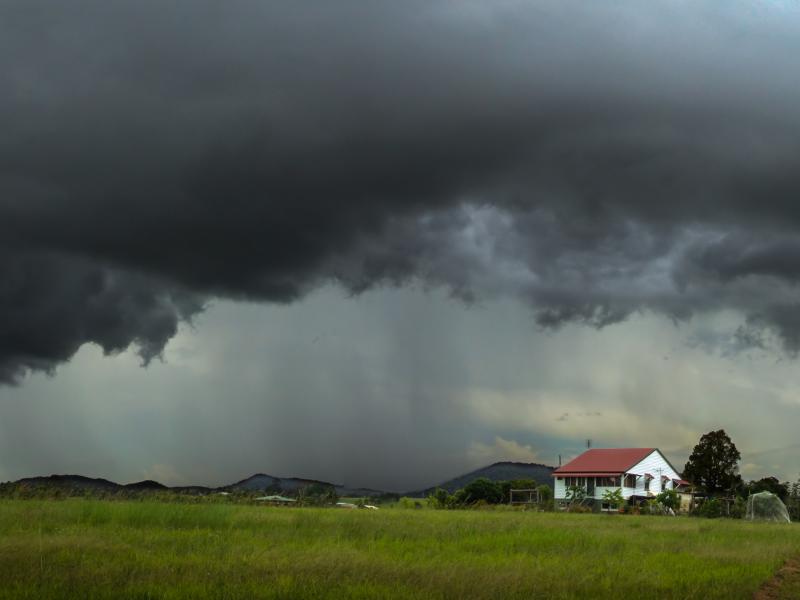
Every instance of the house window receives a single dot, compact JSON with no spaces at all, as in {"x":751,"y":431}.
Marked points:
{"x":630,"y":481}
{"x":646,"y":483}
{"x":608,"y":481}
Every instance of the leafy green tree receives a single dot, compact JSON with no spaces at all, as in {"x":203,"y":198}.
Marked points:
{"x":770,"y":484}
{"x":711,"y":508}
{"x":713,"y":464}
{"x":460,"y":499}
{"x":410,"y":503}
{"x":318,"y":493}
{"x":614,"y":498}
{"x":669,"y":499}
{"x":545,"y":493}
{"x":442,"y":499}
{"x":515,"y":484}
{"x":738,"y":509}
{"x":575,"y":494}
{"x":651,"y":507}
{"x":483,"y":489}
{"x":793,"y":500}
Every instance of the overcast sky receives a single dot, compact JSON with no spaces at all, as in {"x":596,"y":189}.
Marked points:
{"x":384,"y":242}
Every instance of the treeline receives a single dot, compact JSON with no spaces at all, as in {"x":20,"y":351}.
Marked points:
{"x":483,"y":491}
{"x":315,"y":494}
{"x":713,"y":468}
{"x":47,"y":491}
{"x":734,"y":504}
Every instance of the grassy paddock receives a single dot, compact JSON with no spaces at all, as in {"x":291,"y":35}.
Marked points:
{"x":94,"y":549}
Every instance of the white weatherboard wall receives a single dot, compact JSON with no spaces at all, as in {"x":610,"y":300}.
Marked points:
{"x":657,"y":466}
{"x":559,"y":488}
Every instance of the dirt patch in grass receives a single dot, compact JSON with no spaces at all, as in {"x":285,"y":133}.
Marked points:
{"x":785,"y":583}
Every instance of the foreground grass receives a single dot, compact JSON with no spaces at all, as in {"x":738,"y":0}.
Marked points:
{"x":92,"y":549}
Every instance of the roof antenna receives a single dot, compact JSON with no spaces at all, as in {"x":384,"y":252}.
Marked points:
{"x":559,"y":460}
{"x":588,"y":443}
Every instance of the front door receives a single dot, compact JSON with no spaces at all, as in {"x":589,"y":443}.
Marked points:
{"x":590,"y":487}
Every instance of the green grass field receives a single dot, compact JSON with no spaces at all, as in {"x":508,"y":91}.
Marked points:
{"x":95,"y":549}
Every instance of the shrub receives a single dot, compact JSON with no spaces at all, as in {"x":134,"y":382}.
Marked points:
{"x":669,"y":499}
{"x":483,"y":489}
{"x":711,"y":509}
{"x":545,"y":493}
{"x":442,"y":499}
{"x":613,"y":498}
{"x":409,"y":503}
{"x":739,"y":508}
{"x":318,"y":494}
{"x":575,"y":494}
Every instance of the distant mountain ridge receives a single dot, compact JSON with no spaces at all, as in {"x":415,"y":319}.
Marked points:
{"x":499,"y":471}
{"x":261,"y":482}
{"x":71,"y":481}
{"x":89,"y":483}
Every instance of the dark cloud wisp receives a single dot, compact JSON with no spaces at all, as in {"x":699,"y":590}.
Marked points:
{"x":593,"y":161}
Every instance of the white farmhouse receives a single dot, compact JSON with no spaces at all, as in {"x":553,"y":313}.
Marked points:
{"x":639,"y":472}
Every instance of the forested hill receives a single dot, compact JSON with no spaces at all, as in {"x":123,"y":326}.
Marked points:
{"x":501,"y":471}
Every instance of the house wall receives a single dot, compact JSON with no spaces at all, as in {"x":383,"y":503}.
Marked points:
{"x":655,"y":465}
{"x":559,"y":488}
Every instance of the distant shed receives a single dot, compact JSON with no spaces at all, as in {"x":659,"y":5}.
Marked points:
{"x":277,"y":500}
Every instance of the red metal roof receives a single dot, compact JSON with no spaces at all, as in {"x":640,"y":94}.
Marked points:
{"x":589,"y":474}
{"x":601,"y":461}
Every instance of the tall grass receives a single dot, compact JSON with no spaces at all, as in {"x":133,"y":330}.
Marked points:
{"x":94,"y":549}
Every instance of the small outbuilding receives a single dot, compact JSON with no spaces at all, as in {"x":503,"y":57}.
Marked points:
{"x":277,"y":500}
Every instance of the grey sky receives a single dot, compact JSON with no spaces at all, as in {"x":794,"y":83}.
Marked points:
{"x":623,"y":166}
{"x":394,"y":388}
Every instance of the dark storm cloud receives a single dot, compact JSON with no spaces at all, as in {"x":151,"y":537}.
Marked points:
{"x":52,"y":305}
{"x":594,"y":160}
